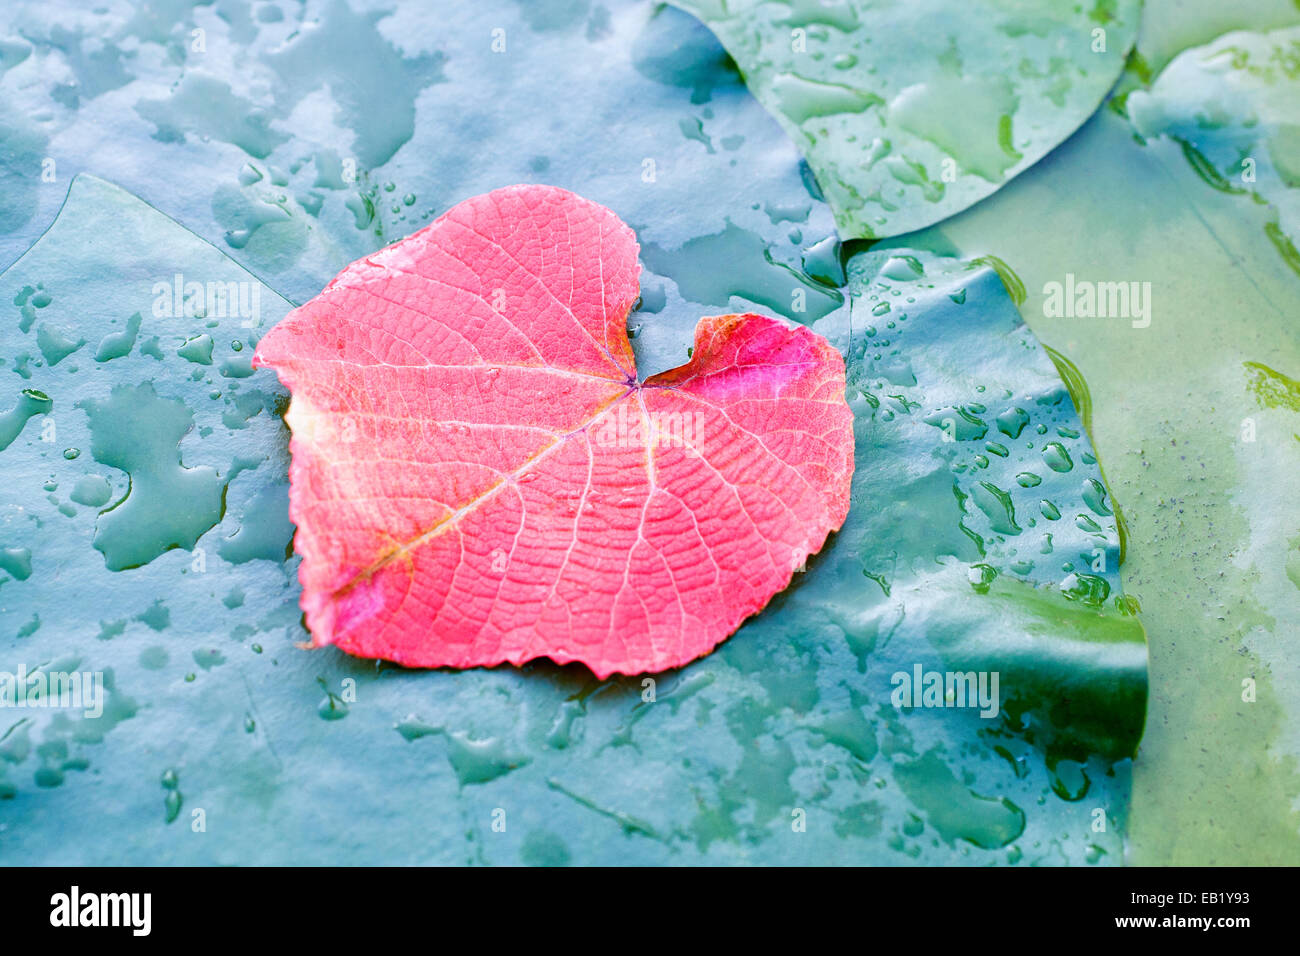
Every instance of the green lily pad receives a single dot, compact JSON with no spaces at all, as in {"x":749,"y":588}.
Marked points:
{"x":1002,"y":550}
{"x":1234,"y":107}
{"x":908,"y":113}
{"x":1171,"y":26}
{"x":222,"y":741}
{"x":1194,"y":415}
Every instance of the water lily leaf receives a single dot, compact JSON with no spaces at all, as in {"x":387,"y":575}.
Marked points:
{"x":783,"y":746}
{"x":1011,"y":558}
{"x":1194,"y":416}
{"x":131,"y":475}
{"x":908,"y":113}
{"x":479,"y":475}
{"x":1234,"y":106}
{"x":1171,"y":26}
{"x":262,"y":145}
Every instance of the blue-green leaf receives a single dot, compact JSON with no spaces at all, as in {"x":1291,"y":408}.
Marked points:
{"x":1170,"y":26}
{"x":190,"y":612}
{"x":1195,"y":414}
{"x":910,"y":112}
{"x":1234,"y":107}
{"x":222,"y":741}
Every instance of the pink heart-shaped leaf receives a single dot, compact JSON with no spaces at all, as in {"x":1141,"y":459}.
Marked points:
{"x":479,"y":477}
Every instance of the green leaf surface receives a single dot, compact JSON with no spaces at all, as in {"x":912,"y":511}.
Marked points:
{"x":910,"y":112}
{"x":1029,"y":529}
{"x":1195,"y":417}
{"x":782,"y":747}
{"x":1234,"y":107}
{"x":1170,"y":26}
{"x":213,"y":707}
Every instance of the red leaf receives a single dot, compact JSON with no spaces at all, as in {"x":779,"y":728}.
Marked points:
{"x":478,"y":476}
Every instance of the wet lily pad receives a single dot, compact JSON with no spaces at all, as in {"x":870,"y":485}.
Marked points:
{"x":1170,"y":26}
{"x":260,"y":143}
{"x":908,"y":113}
{"x":1194,"y":415}
{"x":223,"y":741}
{"x":213,"y":708}
{"x":124,"y":487}
{"x":944,"y":504}
{"x":1234,"y":107}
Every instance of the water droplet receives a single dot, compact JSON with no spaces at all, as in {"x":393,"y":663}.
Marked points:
{"x":197,"y":349}
{"x":1088,"y":589}
{"x":1056,"y":457}
{"x":997,"y":506}
{"x":981,"y":577}
{"x":173,"y":804}
{"x":821,"y":261}
{"x":1069,"y":780}
{"x":1094,"y":496}
{"x":1012,"y":422}
{"x":1086,"y":524}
